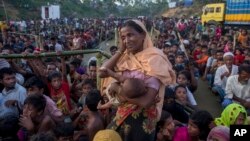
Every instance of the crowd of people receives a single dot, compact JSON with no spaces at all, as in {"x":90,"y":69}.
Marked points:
{"x":146,"y":89}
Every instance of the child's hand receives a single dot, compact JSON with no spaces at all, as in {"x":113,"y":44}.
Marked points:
{"x":26,"y":122}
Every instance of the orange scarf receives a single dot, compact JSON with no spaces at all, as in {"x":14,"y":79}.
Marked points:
{"x":151,"y":61}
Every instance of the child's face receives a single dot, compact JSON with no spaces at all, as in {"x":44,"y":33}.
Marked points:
{"x":166,"y":50}
{"x":182,"y":80}
{"x":237,"y":52}
{"x":34,"y":90}
{"x":29,"y":110}
{"x":193,"y":129}
{"x":181,"y":94}
{"x":56,"y":83}
{"x":220,"y":63}
{"x":168,"y":127}
{"x":240,"y":119}
{"x":86,"y":88}
{"x":219,"y":55}
{"x":179,"y":59}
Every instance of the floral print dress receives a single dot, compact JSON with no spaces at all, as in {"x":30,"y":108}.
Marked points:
{"x":132,"y":122}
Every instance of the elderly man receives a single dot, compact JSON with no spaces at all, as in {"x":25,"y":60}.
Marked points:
{"x":222,"y":74}
{"x":237,"y":88}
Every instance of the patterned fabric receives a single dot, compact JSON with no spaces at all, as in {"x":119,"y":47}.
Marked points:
{"x":134,"y":123}
{"x":230,"y":114}
{"x":61,"y":97}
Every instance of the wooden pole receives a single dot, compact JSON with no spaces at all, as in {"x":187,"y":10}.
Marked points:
{"x":54,"y":54}
{"x":182,"y":46}
{"x":5,"y":11}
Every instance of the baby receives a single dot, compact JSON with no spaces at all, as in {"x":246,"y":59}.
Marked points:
{"x":118,"y":92}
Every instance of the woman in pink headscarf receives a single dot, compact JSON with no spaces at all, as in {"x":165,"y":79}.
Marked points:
{"x":219,"y":133}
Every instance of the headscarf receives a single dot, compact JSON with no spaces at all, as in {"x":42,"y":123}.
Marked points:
{"x":230,"y":114}
{"x":222,"y":132}
{"x":107,"y":135}
{"x":151,"y":61}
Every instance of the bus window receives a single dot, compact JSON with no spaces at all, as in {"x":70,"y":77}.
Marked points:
{"x":211,"y":10}
{"x":218,"y":9}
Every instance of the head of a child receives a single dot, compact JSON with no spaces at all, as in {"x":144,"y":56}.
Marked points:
{"x":92,"y":100}
{"x":167,"y":48}
{"x":204,"y":49}
{"x":198,"y":125}
{"x":74,"y":65}
{"x":55,"y":79}
{"x":34,"y":85}
{"x":87,"y":86}
{"x":179,"y":59}
{"x":243,"y":32}
{"x":238,"y":51}
{"x":181,"y":94}
{"x":219,"y":54}
{"x":213,"y":45}
{"x":174,"y":48}
{"x":183,"y":78}
{"x":198,"y":47}
{"x":113,"y":50}
{"x":34,"y":106}
{"x":51,"y":67}
{"x":64,"y":132}
{"x":220,"y":62}
{"x":166,"y":125}
{"x":133,"y":88}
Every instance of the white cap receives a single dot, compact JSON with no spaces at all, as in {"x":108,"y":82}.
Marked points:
{"x":228,"y":54}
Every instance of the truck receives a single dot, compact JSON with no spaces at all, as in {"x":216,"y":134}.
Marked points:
{"x":229,"y":13}
{"x":50,"y":12}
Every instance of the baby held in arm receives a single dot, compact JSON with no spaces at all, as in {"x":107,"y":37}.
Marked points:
{"x":124,"y":88}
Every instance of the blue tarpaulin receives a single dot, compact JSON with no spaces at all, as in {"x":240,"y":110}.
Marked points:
{"x":188,"y":3}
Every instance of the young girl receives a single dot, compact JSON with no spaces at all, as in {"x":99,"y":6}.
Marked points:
{"x":165,"y":127}
{"x":197,"y":129}
{"x":238,"y":57}
{"x":233,"y":114}
{"x":184,"y":78}
{"x":181,"y":94}
{"x":87,"y":86}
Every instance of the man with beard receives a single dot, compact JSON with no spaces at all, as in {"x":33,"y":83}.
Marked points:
{"x":13,"y":95}
{"x":237,"y":88}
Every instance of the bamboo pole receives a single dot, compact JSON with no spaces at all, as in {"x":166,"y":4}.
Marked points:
{"x":98,"y":63}
{"x":54,"y":54}
{"x":182,"y":46}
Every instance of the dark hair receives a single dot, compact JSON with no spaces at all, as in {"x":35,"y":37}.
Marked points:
{"x":92,"y":99}
{"x":88,"y":82}
{"x":92,"y":63}
{"x":202,"y":119}
{"x":76,"y":62}
{"x":34,"y":81}
{"x":179,"y":86}
{"x":9,"y":126}
{"x":6,"y":70}
{"x":53,"y":75}
{"x":43,"y":137}
{"x":113,"y":48}
{"x":186,"y":73}
{"x":219,"y":51}
{"x":164,"y":116}
{"x":245,"y":68}
{"x":64,"y":130}
{"x":37,"y":101}
{"x":134,"y":25}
